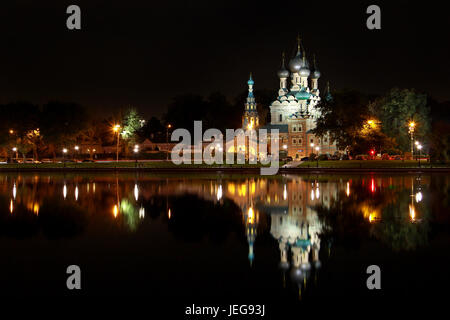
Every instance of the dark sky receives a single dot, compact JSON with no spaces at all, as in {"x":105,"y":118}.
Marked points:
{"x":144,"y":53}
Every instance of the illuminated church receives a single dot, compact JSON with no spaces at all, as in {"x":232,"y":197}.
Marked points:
{"x":294,"y":112}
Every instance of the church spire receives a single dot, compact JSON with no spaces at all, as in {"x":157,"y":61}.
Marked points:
{"x":328,"y":96}
{"x":250,"y":83}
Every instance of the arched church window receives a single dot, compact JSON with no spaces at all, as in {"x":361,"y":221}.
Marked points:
{"x":281,"y":117}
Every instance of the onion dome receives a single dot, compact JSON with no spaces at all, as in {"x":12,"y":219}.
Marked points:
{"x":302,"y":95}
{"x":283,"y":72}
{"x":316,"y":73}
{"x":304,"y":70}
{"x":296,"y":63}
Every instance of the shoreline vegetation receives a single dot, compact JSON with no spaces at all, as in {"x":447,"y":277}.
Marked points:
{"x":168,"y":166}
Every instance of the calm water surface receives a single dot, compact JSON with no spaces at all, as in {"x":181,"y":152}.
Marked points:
{"x":291,"y":239}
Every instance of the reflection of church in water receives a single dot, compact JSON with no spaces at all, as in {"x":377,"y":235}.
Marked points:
{"x":290,"y":203}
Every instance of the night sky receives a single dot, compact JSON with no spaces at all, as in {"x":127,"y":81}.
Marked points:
{"x":144,"y":53}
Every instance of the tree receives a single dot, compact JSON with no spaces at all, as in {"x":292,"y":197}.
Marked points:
{"x":343,"y":118}
{"x":152,"y":129}
{"x":440,"y":135}
{"x":132,"y":123}
{"x":397,"y":109}
{"x":20,"y":127}
{"x":61,"y":123}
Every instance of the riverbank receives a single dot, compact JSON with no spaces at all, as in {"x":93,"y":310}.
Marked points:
{"x":167,"y":166}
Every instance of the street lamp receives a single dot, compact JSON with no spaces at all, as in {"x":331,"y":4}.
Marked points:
{"x":411,"y":126}
{"x":317,"y":149}
{"x":167,"y":140}
{"x":419,"y":146}
{"x":312,"y":148}
{"x":76,"y":150}
{"x":116,"y":129}
{"x":15,"y":150}
{"x":136,"y":150}
{"x":64,"y":153}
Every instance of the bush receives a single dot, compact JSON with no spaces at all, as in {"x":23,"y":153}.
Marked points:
{"x":323,"y":157}
{"x":361,"y":157}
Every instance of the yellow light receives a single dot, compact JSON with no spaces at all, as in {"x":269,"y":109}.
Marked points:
{"x":116,"y":127}
{"x":250,"y":216}
{"x":412,"y":124}
{"x":412,"y":213}
{"x":11,"y":206}
{"x":36,"y":208}
{"x":11,"y":131}
{"x":232,"y":188}
{"x":348,"y":189}
{"x":169,"y":126}
{"x":370,"y":217}
{"x":169,"y":214}
{"x":115,"y":211}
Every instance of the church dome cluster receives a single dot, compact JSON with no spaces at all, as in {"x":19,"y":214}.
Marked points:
{"x":299,"y":87}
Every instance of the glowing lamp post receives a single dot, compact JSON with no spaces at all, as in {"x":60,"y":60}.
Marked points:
{"x":317,"y":158}
{"x":136,"y":151}
{"x":419,"y":146}
{"x":76,"y":151}
{"x":15,"y":150}
{"x":167,"y":140}
{"x":64,"y":154}
{"x":411,"y":127}
{"x":116,"y":129}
